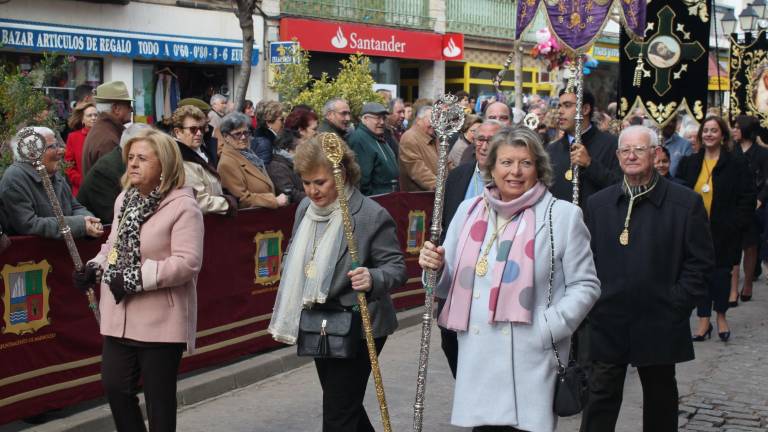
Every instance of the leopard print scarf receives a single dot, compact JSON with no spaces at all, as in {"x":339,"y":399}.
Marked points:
{"x":136,"y":209}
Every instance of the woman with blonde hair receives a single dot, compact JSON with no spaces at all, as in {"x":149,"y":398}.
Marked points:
{"x":148,"y":298}
{"x":80,"y":122}
{"x":318,"y":274}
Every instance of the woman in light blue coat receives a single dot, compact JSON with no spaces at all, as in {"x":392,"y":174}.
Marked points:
{"x":495,"y":264}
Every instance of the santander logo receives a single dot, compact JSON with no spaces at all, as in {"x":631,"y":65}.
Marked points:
{"x":339,"y":41}
{"x":451,"y":50}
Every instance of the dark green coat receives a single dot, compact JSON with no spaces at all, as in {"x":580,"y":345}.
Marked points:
{"x":101,"y":185}
{"x":378,"y":163}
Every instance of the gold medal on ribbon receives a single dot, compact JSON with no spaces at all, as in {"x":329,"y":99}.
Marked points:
{"x":112,"y":257}
{"x":569,"y":175}
{"x":624,"y":237}
{"x":481,"y":268}
{"x":309,"y":270}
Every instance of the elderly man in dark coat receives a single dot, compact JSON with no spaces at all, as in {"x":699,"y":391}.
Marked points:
{"x":378,"y":162}
{"x":652,"y":249}
{"x":115,"y":110}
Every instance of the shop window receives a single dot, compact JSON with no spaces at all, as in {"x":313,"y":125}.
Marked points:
{"x":482,"y":73}
{"x":61,"y":87}
{"x":454,"y":72}
{"x":158,"y":87}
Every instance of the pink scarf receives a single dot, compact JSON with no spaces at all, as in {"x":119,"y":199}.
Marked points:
{"x":513,"y":270}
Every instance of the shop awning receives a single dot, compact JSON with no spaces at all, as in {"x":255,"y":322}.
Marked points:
{"x":45,"y":37}
{"x":718,"y":75}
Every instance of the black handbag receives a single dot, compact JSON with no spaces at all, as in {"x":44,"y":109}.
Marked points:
{"x":329,"y":333}
{"x":572,"y":384}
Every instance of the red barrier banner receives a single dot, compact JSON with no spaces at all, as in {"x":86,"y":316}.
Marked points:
{"x":50,"y":346}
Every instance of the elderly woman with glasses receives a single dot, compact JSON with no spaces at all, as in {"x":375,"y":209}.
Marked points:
{"x":518,"y":277}
{"x":188,"y":128}
{"x":243,"y":173}
{"x":24,"y":205}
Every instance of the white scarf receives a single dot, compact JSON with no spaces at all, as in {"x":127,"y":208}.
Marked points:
{"x":296,"y":290}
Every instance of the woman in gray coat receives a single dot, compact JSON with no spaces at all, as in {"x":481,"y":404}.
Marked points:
{"x":496,"y":262}
{"x":317,"y":273}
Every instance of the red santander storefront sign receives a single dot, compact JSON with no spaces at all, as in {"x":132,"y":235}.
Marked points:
{"x":342,"y":37}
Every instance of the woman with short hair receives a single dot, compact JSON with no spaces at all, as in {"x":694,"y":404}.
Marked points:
{"x":148,"y":298}
{"x":242,"y":172}
{"x":269,"y":115}
{"x":300,"y":125}
{"x":518,"y":276}
{"x":465,"y":140}
{"x":189,"y":125}
{"x":318,"y":274}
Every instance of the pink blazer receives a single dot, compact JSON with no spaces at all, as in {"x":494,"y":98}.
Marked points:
{"x":171,"y":256}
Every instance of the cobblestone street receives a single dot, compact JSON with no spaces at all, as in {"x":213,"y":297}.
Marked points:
{"x":726,"y":387}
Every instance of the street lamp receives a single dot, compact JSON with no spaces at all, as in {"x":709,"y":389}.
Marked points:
{"x":760,"y":8}
{"x":728,"y":22}
{"x":748,"y":19}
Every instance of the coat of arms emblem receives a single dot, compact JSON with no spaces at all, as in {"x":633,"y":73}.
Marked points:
{"x":416,"y":231}
{"x":269,"y":254}
{"x":25,"y":297}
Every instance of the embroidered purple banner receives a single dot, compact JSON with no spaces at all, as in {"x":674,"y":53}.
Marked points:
{"x":577,"y":23}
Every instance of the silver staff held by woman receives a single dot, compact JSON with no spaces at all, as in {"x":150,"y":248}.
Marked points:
{"x":447,"y":119}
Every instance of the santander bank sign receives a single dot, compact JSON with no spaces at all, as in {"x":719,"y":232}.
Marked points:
{"x":374,"y":41}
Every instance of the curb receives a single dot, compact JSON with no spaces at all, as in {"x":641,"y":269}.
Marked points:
{"x":206,"y":385}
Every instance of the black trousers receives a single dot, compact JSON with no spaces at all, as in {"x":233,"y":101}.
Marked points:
{"x":660,"y":399}
{"x":448,"y":342}
{"x":123,"y":364}
{"x":343,"y":382}
{"x":719,"y":290}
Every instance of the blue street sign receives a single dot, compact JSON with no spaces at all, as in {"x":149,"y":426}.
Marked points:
{"x":284,"y":52}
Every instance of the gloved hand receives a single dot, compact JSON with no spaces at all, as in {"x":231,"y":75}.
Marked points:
{"x":232,"y":209}
{"x":86,"y":277}
{"x":117,"y":286}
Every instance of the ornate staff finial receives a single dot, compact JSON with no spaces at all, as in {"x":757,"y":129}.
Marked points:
{"x":447,"y":116}
{"x":531,"y":121}
{"x":31,"y":145}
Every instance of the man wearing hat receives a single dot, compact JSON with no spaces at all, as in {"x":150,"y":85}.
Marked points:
{"x":115,"y":110}
{"x":378,"y":163}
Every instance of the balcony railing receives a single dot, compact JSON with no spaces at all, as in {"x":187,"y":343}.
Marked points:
{"x":400,"y":13}
{"x":488,"y":18}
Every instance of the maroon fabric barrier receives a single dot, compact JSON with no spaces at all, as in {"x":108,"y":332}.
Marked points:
{"x":50,"y":347}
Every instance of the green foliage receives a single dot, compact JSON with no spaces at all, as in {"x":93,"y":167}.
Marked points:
{"x":353,"y":83}
{"x":22,"y":103}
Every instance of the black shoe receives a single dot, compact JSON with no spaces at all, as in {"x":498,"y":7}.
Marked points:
{"x":707,"y":334}
{"x":745,"y":298}
{"x":724,"y":336}
{"x":733,"y":303}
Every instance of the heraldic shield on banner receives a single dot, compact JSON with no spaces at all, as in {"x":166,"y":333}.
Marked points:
{"x":667,"y":72}
{"x":25,"y":297}
{"x":268,"y":257}
{"x":749,"y":79}
{"x":417,"y":231}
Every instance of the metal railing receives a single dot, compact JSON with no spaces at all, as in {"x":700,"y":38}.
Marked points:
{"x":401,"y":13}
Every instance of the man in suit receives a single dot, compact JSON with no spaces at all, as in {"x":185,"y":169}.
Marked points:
{"x":653,"y":251}
{"x":466,"y":181}
{"x":595,"y":156}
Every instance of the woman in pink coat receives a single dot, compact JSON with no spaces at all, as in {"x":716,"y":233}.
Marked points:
{"x":148,"y":300}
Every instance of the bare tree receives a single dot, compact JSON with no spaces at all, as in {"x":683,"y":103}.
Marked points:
{"x":244,"y":10}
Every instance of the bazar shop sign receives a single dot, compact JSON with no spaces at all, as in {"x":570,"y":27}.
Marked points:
{"x":44,"y":37}
{"x":351,"y":38}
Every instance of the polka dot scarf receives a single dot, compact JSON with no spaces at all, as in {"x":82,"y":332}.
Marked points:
{"x":512,"y":271}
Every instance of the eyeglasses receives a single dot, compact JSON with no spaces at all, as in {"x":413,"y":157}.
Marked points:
{"x":499,"y":118}
{"x":380,"y":117}
{"x":195,"y":129}
{"x":239,"y":135}
{"x":638,"y":151}
{"x":482,"y":139}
